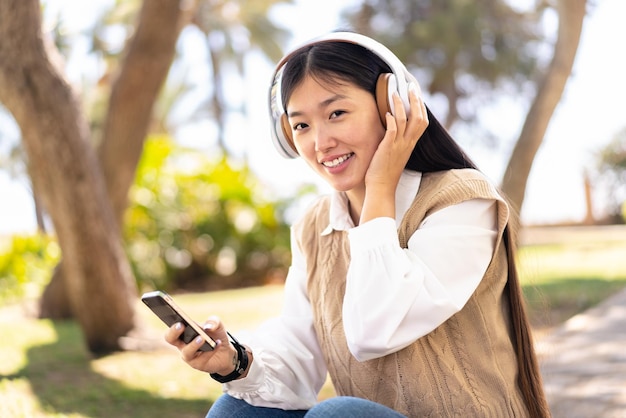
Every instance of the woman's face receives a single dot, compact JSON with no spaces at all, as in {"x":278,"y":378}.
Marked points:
{"x":336,"y":130}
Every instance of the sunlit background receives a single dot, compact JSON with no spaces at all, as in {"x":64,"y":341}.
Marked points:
{"x":590,"y":114}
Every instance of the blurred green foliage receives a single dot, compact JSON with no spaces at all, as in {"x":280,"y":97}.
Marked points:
{"x":195,"y":223}
{"x":26,"y":264}
{"x":611,"y":176}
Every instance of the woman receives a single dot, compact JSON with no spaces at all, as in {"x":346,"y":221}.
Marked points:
{"x":403,"y":285}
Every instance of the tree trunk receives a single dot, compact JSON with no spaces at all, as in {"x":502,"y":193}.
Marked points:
{"x":144,"y":68}
{"x":133,"y":94}
{"x":571,"y":15}
{"x":55,"y":302}
{"x":589,"y":218}
{"x":67,"y":176}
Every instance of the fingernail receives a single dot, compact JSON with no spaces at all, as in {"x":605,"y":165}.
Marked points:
{"x":178,"y":326}
{"x":198,"y":340}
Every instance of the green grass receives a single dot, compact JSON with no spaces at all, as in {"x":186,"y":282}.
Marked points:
{"x":562,"y":280}
{"x":45,"y":370}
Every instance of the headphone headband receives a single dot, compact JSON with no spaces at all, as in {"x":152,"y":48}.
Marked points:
{"x":399,"y":83}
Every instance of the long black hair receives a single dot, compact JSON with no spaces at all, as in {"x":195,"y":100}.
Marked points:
{"x":332,"y":61}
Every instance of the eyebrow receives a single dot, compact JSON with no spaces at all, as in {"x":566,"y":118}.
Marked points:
{"x":322,"y":104}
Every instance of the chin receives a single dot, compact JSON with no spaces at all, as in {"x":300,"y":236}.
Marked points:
{"x":342,"y":187}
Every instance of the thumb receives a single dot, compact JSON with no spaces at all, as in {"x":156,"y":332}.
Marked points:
{"x":215,"y":328}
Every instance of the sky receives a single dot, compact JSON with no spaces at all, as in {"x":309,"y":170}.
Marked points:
{"x":590,"y":114}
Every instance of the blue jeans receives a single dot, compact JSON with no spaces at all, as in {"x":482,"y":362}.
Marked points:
{"x":337,"y":407}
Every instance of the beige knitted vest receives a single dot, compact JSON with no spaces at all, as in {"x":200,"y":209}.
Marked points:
{"x":464,"y":368}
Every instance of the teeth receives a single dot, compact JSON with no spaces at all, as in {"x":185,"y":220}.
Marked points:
{"x":337,"y":161}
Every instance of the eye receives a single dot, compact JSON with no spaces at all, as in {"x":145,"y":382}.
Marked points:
{"x":299,"y":126}
{"x":337,"y":113}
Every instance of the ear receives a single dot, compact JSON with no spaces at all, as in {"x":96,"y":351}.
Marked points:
{"x":383,"y":95}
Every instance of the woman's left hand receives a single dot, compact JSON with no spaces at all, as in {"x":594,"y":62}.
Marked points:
{"x":400,"y":138}
{"x":393,"y":152}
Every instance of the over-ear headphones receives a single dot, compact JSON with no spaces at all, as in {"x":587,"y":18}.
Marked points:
{"x":399,"y":80}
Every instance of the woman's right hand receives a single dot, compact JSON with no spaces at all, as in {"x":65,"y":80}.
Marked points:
{"x":221,"y":360}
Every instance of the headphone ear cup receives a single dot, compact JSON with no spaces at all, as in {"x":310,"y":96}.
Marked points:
{"x":286,"y":131}
{"x":385,"y":86}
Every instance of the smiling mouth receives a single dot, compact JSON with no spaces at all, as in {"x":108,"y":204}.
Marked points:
{"x":337,"y":161}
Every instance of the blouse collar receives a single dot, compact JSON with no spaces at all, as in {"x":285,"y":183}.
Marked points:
{"x":339,"y":215}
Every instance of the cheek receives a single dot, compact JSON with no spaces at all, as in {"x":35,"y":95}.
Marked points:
{"x":374,"y":134}
{"x":306,"y":150}
{"x":371,"y":149}
{"x":301,"y":145}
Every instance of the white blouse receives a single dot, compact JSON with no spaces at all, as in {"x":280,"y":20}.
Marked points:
{"x":393,"y":296}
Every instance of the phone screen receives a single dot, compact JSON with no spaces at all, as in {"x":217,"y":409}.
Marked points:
{"x":164,"y":307}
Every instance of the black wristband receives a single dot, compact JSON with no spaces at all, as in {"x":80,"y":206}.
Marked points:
{"x":240,"y":366}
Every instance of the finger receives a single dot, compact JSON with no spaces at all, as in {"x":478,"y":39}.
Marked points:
{"x":400,"y":112}
{"x":418,"y":121}
{"x":422,"y":108}
{"x":418,"y":108}
{"x":214,"y":326}
{"x":392,"y":128}
{"x":190,"y":351}
{"x":212,"y":323}
{"x":172,"y":336}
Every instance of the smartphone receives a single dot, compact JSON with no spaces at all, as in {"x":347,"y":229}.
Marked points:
{"x":164,"y":307}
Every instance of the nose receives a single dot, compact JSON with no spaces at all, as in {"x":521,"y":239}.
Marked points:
{"x":324,"y":140}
